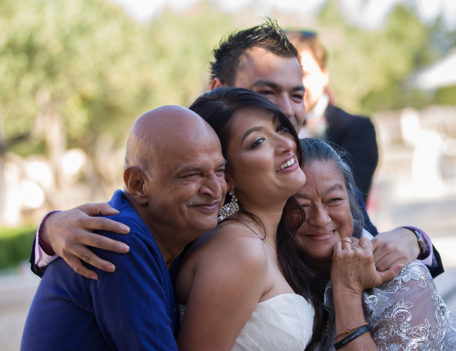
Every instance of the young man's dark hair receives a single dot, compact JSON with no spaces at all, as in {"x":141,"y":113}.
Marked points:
{"x":227,"y":57}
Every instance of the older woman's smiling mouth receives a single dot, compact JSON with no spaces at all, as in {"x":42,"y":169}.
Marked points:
{"x":323,"y":236}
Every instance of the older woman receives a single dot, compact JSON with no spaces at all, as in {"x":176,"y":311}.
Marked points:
{"x":404,"y":313}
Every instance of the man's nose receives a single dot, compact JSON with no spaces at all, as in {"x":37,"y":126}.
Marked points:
{"x":284,"y":103}
{"x":214,"y":186}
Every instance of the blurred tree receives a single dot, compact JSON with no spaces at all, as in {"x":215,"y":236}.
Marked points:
{"x":68,"y":80}
{"x":369,"y":66}
{"x":78,"y":72}
{"x":183,"y":44}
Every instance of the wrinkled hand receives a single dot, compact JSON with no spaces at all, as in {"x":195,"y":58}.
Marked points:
{"x":398,"y":246}
{"x":70,"y":232}
{"x":353,"y":269}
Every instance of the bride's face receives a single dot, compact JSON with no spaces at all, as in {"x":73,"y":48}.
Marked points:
{"x":328,"y":219}
{"x":262,"y":164}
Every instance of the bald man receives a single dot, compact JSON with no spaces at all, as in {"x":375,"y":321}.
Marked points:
{"x":166,"y":207}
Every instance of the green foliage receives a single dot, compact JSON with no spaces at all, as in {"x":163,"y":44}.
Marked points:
{"x":182,"y":49}
{"x":77,"y":73}
{"x":369,"y":67}
{"x":446,"y":96}
{"x":88,"y":70}
{"x":95,"y":67}
{"x":15,"y":245}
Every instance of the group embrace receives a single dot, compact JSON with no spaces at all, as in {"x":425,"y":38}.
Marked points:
{"x":239,"y":235}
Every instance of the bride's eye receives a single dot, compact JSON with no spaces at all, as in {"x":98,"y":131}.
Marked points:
{"x":257,"y":143}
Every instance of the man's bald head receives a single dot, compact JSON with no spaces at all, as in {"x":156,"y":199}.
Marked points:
{"x":174,"y":175}
{"x":159,"y":129}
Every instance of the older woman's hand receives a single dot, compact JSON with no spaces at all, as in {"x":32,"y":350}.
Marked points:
{"x":353,"y":268}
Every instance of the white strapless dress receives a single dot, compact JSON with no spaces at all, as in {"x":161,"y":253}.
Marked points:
{"x":283,"y":323}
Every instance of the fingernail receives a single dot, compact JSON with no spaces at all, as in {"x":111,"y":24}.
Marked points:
{"x":125,"y":248}
{"x":125,"y":229}
{"x":110,"y":267}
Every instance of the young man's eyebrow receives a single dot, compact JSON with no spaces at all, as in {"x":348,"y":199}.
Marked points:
{"x":264,"y":82}
{"x":275,"y":86}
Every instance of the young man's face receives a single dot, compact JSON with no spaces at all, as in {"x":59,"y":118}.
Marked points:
{"x":277,"y":78}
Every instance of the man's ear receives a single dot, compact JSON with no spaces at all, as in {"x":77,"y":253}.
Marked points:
{"x":216,"y":83}
{"x":134,"y":180}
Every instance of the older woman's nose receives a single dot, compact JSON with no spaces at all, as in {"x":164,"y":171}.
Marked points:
{"x":319,"y":215}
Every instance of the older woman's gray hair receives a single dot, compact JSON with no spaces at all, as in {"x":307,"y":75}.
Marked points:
{"x":318,"y":150}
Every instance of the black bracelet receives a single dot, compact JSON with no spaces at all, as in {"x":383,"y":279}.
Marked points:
{"x":424,"y":250}
{"x":360,"y":331}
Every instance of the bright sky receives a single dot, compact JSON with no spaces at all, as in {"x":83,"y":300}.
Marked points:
{"x":366,"y":13}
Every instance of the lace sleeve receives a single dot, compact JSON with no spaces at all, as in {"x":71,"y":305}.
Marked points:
{"x":407,"y":313}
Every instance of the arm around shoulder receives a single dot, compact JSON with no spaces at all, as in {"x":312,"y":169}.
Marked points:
{"x":69,"y":233}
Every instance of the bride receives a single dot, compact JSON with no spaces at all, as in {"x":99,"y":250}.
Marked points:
{"x":238,"y":284}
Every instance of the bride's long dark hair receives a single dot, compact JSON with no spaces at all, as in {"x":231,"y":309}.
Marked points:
{"x":217,"y":107}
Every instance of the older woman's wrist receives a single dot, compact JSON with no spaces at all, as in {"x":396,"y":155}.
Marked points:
{"x":346,"y":290}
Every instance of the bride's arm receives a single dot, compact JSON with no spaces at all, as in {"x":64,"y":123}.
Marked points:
{"x":228,"y":281}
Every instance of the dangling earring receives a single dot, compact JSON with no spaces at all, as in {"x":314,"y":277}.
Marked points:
{"x":229,"y":208}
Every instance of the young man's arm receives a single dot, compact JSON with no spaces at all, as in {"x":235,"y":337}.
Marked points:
{"x":401,"y":245}
{"x":68,"y":234}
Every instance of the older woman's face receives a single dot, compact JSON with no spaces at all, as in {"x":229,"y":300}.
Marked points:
{"x":325,"y":201}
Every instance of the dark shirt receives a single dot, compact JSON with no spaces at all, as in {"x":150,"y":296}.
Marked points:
{"x":131,"y":309}
{"x":356,"y":135}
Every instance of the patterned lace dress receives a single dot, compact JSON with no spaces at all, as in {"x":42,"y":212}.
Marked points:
{"x":405,"y":313}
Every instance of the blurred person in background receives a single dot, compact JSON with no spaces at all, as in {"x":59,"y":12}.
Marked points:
{"x":355,"y":134}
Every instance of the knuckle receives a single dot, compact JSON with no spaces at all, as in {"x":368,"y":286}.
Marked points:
{"x":71,"y":237}
{"x":78,"y":269}
{"x":65,"y":249}
{"x":98,"y":241}
{"x":79,"y":221}
{"x":99,"y":223}
{"x":85,"y":257}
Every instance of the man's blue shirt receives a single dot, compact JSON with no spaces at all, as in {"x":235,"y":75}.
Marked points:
{"x":131,"y":309}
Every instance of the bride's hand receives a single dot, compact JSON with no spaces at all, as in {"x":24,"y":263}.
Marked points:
{"x":353,"y":267}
